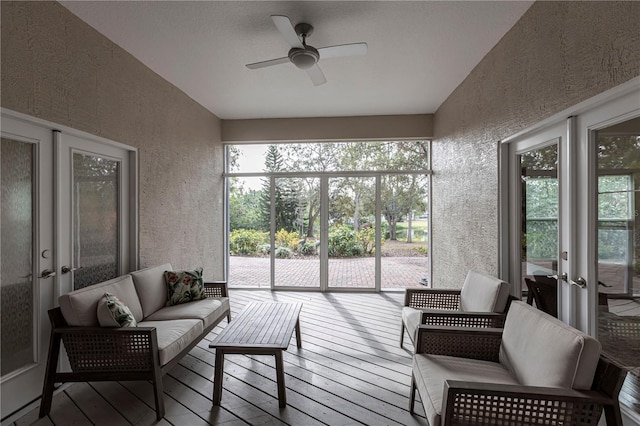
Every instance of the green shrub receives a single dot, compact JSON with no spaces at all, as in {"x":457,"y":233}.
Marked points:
{"x":283,"y":252}
{"x":422,"y":250}
{"x":245,"y":241}
{"x":344,"y":243}
{"x":264,"y":249}
{"x":308,"y":248}
{"x":366,"y":237}
{"x":287,"y":239}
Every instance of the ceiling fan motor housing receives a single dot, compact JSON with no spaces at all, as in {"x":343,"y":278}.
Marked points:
{"x":304,"y":58}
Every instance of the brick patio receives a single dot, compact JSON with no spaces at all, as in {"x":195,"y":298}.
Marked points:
{"x":397,"y":272}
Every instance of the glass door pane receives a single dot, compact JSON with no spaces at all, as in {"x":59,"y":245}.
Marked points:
{"x":295,"y":226}
{"x":539,"y":227}
{"x":96,"y":217}
{"x":16,"y":242}
{"x":351,"y":232}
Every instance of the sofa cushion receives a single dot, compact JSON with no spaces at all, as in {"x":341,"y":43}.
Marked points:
{"x":207,"y":310}
{"x":411,"y":319}
{"x":431,"y":371}
{"x":80,"y":307}
{"x":184,"y":286}
{"x":174,"y":336}
{"x":483,"y":293}
{"x":151,"y":287}
{"x":113,"y":313}
{"x":542,"y":351}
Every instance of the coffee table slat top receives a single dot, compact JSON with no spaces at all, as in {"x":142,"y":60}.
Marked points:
{"x":260,"y":325}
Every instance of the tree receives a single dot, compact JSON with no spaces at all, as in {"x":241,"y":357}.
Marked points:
{"x":245,"y":209}
{"x":311,"y":157}
{"x":285,"y":195}
{"x":401,"y":194}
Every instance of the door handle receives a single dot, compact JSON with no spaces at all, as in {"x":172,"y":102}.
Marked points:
{"x":580,"y":282}
{"x":564,"y":277}
{"x":47,"y":273}
{"x":66,"y":269}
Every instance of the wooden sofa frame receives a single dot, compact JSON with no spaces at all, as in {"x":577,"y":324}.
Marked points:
{"x":466,"y":403}
{"x":113,"y":354}
{"x":440,"y":307}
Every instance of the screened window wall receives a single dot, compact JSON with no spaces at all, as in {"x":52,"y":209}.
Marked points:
{"x":328,"y":216}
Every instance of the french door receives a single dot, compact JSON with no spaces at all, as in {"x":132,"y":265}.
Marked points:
{"x":573,"y":223}
{"x":68,"y":221}
{"x":26,"y":259}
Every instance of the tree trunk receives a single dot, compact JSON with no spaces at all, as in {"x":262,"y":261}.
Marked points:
{"x":312,"y":219}
{"x":356,"y":213}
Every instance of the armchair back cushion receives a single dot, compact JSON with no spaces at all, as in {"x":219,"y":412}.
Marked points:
{"x":80,"y":307}
{"x":147,"y":282}
{"x":483,"y":293}
{"x":541,"y":350}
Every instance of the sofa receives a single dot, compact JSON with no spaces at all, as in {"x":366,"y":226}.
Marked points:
{"x":133,"y":327}
{"x":481,"y":302}
{"x":535,"y":370}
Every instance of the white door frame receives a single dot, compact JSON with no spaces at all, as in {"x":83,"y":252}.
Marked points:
{"x":65,"y":146}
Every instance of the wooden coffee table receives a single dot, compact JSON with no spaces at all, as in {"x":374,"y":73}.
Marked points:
{"x":260,"y":329}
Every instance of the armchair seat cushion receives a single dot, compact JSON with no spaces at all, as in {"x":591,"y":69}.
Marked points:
{"x":174,"y":336}
{"x":431,"y":371}
{"x":207,"y":310}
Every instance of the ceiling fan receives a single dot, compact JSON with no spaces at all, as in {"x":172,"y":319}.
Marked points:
{"x":304,"y":56}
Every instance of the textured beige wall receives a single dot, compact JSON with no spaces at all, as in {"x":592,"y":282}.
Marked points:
{"x":329,"y":128}
{"x":56,"y":67}
{"x":557,"y":55}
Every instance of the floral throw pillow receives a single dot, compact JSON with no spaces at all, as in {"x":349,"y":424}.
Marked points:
{"x":184,"y":286}
{"x":113,"y":313}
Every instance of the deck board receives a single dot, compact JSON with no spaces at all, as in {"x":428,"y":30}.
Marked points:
{"x":350,"y":370}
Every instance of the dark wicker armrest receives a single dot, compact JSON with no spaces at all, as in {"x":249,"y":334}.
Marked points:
{"x":462,"y":319}
{"x":216,"y":289}
{"x":482,"y":403}
{"x":98,"y":349}
{"x":432,"y":298}
{"x":464,"y":342}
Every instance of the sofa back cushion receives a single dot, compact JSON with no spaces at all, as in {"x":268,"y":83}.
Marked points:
{"x":541,"y":350}
{"x":483,"y":293}
{"x":151,"y":287}
{"x":80,"y":307}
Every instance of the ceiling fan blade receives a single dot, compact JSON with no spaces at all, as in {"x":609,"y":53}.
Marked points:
{"x":341,"y":50}
{"x":268,"y":63}
{"x":286,"y":29}
{"x":317,"y":76}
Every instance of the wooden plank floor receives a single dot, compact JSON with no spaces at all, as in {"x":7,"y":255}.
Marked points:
{"x":349,"y":371}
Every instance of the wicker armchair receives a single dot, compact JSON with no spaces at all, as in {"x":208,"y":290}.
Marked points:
{"x":481,"y":302}
{"x":468,"y":376}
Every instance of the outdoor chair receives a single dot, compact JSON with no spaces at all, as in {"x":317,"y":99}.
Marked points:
{"x":535,"y":371}
{"x":543,"y":291}
{"x":481,"y":302}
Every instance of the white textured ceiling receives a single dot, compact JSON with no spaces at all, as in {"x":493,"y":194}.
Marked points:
{"x":419,"y":51}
